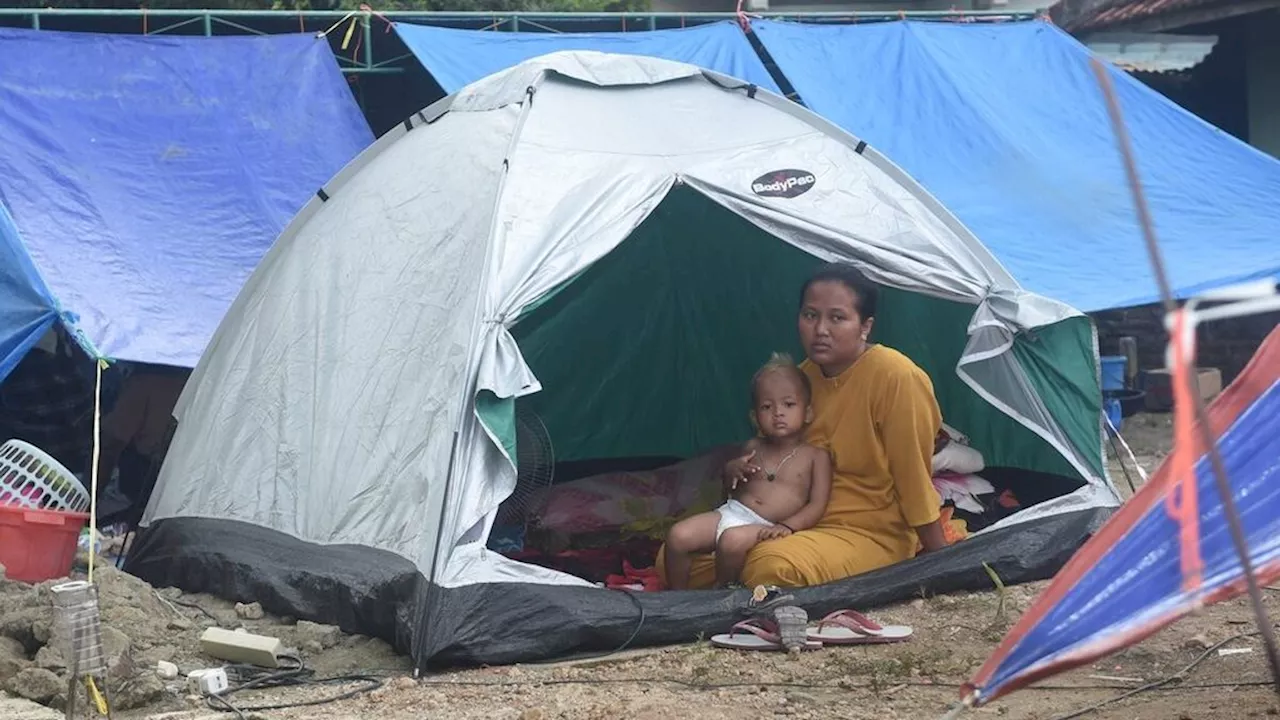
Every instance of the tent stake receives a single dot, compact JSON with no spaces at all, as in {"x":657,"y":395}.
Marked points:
{"x":1202,"y":420}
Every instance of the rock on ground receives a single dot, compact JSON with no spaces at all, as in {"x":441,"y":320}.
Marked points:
{"x":314,"y":637}
{"x":12,"y":708}
{"x":36,"y":684}
{"x":13,"y":660}
{"x":249,"y":611}
{"x":137,"y":691}
{"x":141,"y":626}
{"x":31,"y":659}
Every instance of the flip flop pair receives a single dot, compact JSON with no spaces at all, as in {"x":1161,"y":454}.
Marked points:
{"x":843,"y":627}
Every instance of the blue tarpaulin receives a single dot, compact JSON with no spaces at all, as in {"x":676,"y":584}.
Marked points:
{"x":147,"y":176}
{"x":1005,"y":124}
{"x":26,"y":305}
{"x":456,"y":58}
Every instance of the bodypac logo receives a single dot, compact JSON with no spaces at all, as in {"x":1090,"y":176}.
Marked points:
{"x":783,"y":183}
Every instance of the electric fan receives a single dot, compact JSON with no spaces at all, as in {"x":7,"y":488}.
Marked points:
{"x":535,"y":467}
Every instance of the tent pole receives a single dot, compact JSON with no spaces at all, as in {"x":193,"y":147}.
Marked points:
{"x":1202,"y":419}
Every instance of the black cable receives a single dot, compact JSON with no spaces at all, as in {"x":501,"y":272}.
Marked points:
{"x":193,"y":606}
{"x":839,"y":683}
{"x":659,"y":681}
{"x":1157,"y":683}
{"x":252,"y":677}
{"x":830,"y":684}
{"x":226,"y":706}
{"x":625,"y":644}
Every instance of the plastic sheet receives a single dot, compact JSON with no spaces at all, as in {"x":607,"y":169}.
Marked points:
{"x":146,"y":176}
{"x":1004,"y":123}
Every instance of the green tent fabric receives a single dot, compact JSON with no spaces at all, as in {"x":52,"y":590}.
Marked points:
{"x":650,"y":352}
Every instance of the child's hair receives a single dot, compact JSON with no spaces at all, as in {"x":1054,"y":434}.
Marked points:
{"x":782,"y":362}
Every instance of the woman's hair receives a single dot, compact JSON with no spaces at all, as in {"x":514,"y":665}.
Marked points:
{"x":782,"y":362}
{"x":864,"y":292}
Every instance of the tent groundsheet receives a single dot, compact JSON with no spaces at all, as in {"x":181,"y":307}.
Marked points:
{"x":456,"y":58}
{"x":1004,"y":123}
{"x":369,"y":591}
{"x":147,"y":176}
{"x":604,"y":237}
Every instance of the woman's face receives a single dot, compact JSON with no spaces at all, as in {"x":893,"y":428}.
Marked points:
{"x":831,"y":329}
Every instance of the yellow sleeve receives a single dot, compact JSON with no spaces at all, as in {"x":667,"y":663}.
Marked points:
{"x":909,"y":422}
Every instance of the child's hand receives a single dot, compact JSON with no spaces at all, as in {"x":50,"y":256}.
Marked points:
{"x":740,"y":470}
{"x":773,"y":533}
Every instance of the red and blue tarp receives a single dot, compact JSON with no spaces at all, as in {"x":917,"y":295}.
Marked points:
{"x":1128,"y":581}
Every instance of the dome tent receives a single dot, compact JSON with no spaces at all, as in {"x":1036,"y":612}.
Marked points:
{"x":619,"y":240}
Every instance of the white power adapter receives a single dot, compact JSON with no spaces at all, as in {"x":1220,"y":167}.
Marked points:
{"x":211,"y":681}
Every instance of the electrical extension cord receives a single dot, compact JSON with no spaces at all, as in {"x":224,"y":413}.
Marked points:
{"x":209,"y":681}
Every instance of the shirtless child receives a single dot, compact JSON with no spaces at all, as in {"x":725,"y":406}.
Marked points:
{"x":787,"y":494}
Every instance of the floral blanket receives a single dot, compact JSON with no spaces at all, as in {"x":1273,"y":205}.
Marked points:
{"x":646,"y":503}
{"x":649,"y":502}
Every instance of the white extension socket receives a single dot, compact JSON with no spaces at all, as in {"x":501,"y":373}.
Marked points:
{"x":209,"y":681}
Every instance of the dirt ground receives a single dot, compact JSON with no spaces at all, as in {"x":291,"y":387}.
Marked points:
{"x":918,"y":679}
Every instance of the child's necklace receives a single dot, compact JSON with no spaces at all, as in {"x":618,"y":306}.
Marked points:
{"x":771,"y":476}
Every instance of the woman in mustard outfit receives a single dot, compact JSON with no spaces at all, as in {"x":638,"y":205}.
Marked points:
{"x":874,"y":410}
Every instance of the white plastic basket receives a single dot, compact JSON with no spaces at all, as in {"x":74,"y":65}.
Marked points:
{"x":30,"y":478}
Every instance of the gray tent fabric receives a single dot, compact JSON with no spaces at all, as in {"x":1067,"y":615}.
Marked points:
{"x":337,"y":402}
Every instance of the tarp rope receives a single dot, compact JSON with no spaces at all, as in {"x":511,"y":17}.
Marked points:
{"x":367,"y":8}
{"x":91,"y":687}
{"x":1128,"y":451}
{"x":341,"y":20}
{"x":98,"y":365}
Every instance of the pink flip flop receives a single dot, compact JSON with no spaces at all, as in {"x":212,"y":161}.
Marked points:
{"x":850,"y":627}
{"x":756,"y":634}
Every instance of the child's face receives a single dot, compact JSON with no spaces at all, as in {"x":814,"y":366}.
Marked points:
{"x":781,"y":405}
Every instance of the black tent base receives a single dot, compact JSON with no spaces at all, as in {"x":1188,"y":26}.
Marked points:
{"x":377,"y":593}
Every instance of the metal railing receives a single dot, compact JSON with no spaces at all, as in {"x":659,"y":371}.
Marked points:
{"x":374,"y":53}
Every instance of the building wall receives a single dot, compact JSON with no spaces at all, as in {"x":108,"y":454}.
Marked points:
{"x":1263,"y":72}
{"x":1226,"y":344}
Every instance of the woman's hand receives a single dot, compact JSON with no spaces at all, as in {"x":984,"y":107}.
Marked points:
{"x":774,"y":532}
{"x":932,"y":537}
{"x":740,"y":470}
